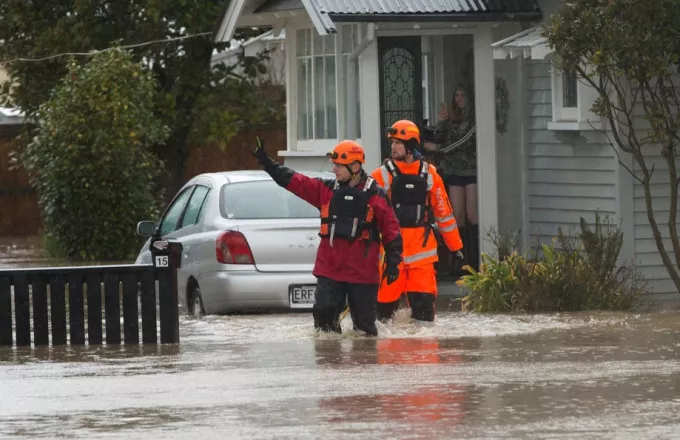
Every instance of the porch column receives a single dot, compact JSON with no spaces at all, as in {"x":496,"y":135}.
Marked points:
{"x":485,"y":105}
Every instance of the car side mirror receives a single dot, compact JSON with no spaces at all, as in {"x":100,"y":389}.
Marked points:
{"x":146,"y":228}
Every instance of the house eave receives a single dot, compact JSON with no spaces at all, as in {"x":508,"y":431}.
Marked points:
{"x":438,"y":17}
{"x":225,"y":28}
{"x":233,"y":18}
{"x":322,"y":22}
{"x":525,"y":44}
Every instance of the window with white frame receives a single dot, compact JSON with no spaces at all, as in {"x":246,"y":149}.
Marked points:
{"x":566,"y":96}
{"x":572,"y":101}
{"x":316,"y":85}
{"x":350,"y":40}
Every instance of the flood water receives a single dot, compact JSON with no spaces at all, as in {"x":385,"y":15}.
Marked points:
{"x":585,"y":376}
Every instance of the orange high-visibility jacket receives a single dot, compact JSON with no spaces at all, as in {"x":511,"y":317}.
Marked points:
{"x":415,"y":253}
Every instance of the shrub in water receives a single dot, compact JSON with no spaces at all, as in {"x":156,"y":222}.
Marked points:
{"x":575,"y":272}
{"x":90,"y":162}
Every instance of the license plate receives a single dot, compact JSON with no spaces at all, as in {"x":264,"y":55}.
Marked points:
{"x":302,"y":297}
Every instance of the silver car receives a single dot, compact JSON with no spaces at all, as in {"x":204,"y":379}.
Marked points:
{"x":248,"y":244}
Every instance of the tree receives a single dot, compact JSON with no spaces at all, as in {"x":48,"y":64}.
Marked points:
{"x":628,"y":51}
{"x":91,"y":162}
{"x":198,"y":102}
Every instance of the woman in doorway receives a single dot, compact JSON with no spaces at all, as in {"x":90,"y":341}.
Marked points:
{"x":456,"y":136}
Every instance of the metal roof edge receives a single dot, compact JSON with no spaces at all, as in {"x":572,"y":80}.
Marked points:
{"x":239,"y":46}
{"x":322,"y":22}
{"x":512,"y":38}
{"x":225,"y":27}
{"x":439,"y":17}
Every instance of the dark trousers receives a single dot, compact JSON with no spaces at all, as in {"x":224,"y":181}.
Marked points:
{"x":331,"y":297}
{"x":422,"y":307}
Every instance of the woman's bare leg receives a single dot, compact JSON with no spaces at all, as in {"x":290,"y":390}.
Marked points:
{"x":471,"y":205}
{"x":457,"y":197}
{"x":472,"y":211}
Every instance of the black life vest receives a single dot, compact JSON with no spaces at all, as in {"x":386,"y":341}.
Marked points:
{"x":409,"y":195}
{"x":348,"y":214}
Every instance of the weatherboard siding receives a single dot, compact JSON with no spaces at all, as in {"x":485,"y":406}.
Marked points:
{"x":570,"y":174}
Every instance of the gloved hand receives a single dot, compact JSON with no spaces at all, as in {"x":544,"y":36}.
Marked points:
{"x":458,"y":255}
{"x":260,"y":152}
{"x":393,"y":251}
{"x":391,"y":273}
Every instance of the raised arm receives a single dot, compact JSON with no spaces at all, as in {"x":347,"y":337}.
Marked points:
{"x":312,"y":190}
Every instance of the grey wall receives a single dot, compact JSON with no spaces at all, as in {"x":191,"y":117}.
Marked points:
{"x":570,"y":174}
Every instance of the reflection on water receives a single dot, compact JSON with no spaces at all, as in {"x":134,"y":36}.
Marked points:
{"x":599,"y":375}
{"x":84,"y":354}
{"x":412,"y":409}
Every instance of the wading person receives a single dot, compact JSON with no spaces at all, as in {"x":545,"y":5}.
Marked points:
{"x":419,"y":198}
{"x":356,"y":217}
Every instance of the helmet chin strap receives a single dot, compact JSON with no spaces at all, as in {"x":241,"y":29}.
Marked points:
{"x":352,"y":174}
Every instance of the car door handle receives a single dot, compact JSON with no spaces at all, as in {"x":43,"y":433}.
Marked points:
{"x":186,"y":251}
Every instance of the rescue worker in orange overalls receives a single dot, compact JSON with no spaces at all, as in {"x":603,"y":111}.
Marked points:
{"x":419,"y":197}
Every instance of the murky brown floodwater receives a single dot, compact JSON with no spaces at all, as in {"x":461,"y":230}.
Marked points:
{"x":585,"y":376}
{"x":267,"y":377}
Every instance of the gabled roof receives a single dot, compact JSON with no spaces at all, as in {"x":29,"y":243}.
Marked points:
{"x":324,"y":13}
{"x":528,"y":43}
{"x":250,"y":47}
{"x":280,"y":6}
{"x":11,"y":116}
{"x":421,"y":7}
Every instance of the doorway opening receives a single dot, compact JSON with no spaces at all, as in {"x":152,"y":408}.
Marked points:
{"x":450,"y":143}
{"x":430,"y":81}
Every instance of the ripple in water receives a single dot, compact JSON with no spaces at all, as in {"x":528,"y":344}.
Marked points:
{"x":299,"y":326}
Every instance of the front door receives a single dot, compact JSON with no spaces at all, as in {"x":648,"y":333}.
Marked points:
{"x":401,"y":85}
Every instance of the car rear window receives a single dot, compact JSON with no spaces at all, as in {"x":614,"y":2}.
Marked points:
{"x":263,"y":200}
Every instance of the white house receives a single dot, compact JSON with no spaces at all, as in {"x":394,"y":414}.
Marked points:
{"x":353,"y":68}
{"x":267,"y":41}
{"x":9,"y":116}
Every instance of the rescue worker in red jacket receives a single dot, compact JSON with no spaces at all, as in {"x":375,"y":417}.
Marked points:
{"x":356,"y":217}
{"x":419,"y":198}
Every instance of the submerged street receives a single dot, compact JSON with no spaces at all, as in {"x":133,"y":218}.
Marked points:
{"x":268,"y":377}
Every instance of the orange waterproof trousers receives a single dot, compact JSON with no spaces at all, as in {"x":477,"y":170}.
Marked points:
{"x":422,"y":279}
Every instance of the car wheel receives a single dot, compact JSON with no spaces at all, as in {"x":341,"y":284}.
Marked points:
{"x":196,"y":304}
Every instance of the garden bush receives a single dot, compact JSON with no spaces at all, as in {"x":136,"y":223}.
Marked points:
{"x":91,"y":162}
{"x":577,"y":271}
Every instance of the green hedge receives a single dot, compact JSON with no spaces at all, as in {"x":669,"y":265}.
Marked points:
{"x":91,"y":162}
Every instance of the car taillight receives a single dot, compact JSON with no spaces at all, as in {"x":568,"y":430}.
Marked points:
{"x":232,"y":248}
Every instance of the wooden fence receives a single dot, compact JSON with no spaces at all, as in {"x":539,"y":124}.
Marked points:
{"x":64,"y":299}
{"x":19,"y":213}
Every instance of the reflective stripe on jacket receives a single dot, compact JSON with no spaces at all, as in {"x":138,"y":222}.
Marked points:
{"x":414,"y":251}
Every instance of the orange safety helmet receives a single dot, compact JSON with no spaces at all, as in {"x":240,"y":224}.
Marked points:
{"x":404,"y":130}
{"x":347,"y":152}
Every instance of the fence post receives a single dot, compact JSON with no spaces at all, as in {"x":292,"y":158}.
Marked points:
{"x":166,"y":256}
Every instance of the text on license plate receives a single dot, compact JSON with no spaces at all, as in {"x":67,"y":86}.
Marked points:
{"x":302,"y":296}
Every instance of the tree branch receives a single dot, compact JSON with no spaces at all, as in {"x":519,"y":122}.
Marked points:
{"x":668,"y":264}
{"x":660,"y":118}
{"x":618,"y":155}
